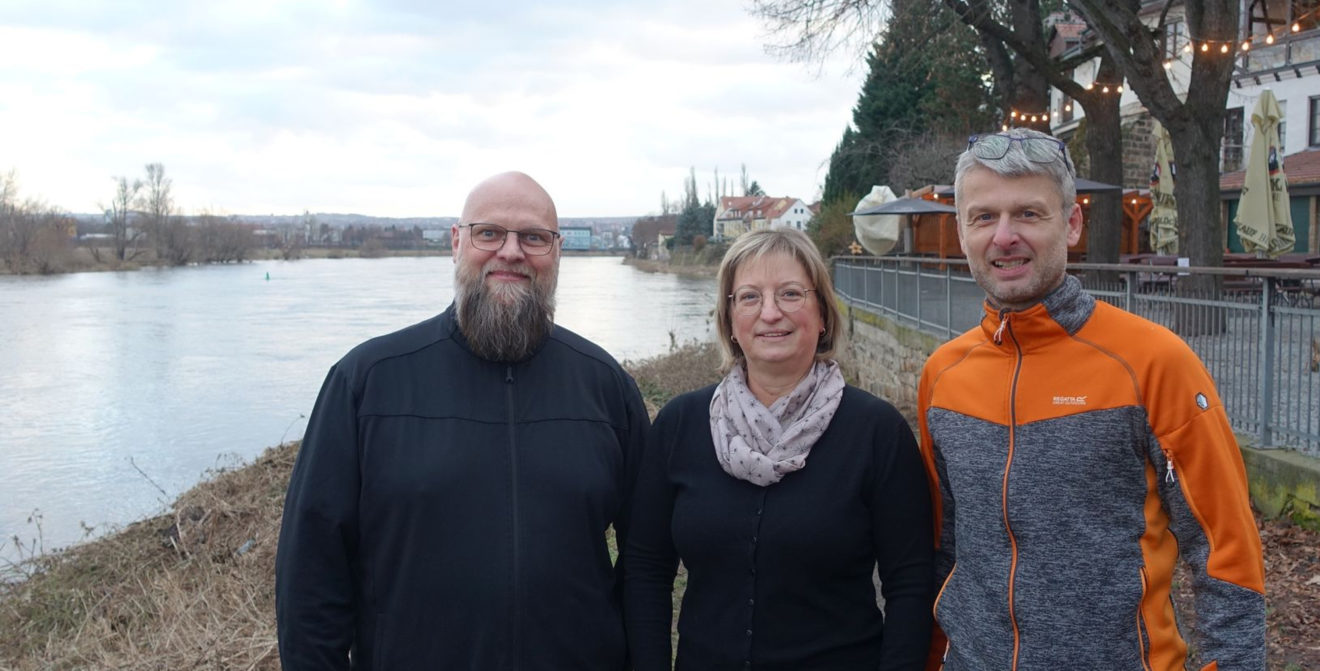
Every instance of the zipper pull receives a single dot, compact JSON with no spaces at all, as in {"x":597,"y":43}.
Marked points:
{"x":1003,"y":322}
{"x":508,"y":375}
{"x":1168,"y":474}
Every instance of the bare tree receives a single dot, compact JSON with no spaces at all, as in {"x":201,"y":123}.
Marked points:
{"x":926,"y":159}
{"x":34,"y":237}
{"x":1195,"y":122}
{"x":170,"y":234}
{"x":124,"y":236}
{"x":1012,"y":38}
{"x":221,"y":240}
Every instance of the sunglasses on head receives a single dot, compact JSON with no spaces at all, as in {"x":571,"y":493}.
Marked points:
{"x":1037,"y":149}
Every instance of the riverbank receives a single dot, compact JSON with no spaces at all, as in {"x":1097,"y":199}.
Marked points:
{"x":81,"y":260}
{"x":699,"y":270}
{"x":194,"y":587}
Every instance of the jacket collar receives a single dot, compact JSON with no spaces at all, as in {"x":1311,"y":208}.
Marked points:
{"x":1062,"y":313}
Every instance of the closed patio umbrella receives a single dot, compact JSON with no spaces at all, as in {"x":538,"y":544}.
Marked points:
{"x":1264,"y":220}
{"x":1164,"y":210}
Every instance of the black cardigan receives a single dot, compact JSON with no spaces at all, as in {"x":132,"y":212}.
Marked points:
{"x":780,"y":577}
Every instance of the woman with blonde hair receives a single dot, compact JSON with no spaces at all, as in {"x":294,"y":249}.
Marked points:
{"x":782,"y":489}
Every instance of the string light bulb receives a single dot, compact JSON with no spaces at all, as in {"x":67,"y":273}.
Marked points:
{"x":1168,"y":65}
{"x":1296,"y":27}
{"x":1269,"y":39}
{"x":1105,"y":90}
{"x":1119,"y":89}
{"x":1205,"y":46}
{"x":1188,"y":48}
{"x":1223,"y":48}
{"x":1246,"y":46}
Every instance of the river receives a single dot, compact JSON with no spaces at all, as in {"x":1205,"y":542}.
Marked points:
{"x":119,"y":391}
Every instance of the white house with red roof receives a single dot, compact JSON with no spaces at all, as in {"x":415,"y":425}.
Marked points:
{"x":736,"y":215}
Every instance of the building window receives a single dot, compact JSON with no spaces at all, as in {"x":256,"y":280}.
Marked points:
{"x":1283,"y":126}
{"x":1175,"y":36}
{"x":1232,"y":153}
{"x":1313,"y":116}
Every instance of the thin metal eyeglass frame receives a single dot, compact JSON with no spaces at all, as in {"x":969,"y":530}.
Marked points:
{"x":504,"y":237}
{"x":738,"y":308}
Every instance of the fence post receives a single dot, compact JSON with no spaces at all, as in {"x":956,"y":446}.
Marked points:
{"x":1129,"y":302}
{"x":1266,"y":354}
{"x":918,"y":297}
{"x":948,"y":302}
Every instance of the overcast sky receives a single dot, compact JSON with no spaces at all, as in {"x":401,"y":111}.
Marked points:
{"x":397,"y":107}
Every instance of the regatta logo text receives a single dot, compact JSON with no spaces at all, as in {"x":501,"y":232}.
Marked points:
{"x":1069,"y":400}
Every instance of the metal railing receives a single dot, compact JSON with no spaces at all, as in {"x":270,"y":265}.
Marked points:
{"x":1259,"y":337}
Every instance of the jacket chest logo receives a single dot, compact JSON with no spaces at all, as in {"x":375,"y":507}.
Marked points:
{"x":1069,"y":400}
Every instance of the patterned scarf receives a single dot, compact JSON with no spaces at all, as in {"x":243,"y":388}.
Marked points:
{"x":761,"y":445}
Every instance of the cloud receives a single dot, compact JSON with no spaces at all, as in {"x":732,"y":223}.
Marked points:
{"x":396,"y":108}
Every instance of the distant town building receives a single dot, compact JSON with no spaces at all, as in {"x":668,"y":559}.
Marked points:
{"x":738,"y":214}
{"x":576,"y":238}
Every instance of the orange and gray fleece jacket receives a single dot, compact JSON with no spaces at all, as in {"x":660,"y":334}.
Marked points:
{"x":1077,"y":451}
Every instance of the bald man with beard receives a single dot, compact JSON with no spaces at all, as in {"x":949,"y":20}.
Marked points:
{"x":449,"y":505}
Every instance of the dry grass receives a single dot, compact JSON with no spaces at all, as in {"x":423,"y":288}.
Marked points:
{"x":192,"y":589}
{"x":686,"y":367}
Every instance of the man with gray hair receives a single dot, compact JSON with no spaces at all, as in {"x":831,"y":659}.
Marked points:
{"x":449,"y":505}
{"x":1076,"y":451}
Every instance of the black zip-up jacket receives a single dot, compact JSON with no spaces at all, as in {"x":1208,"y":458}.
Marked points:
{"x":447,"y":512}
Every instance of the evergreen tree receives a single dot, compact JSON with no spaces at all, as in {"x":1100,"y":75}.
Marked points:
{"x":925,"y":75}
{"x":696,"y":218}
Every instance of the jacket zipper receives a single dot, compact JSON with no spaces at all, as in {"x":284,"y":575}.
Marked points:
{"x":1142,"y":635}
{"x":513,"y":493}
{"x":1008,"y":465}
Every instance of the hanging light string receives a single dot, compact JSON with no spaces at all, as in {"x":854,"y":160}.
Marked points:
{"x":1018,"y":116}
{"x":1228,"y":46}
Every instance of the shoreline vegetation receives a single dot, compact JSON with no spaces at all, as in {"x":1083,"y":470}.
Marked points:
{"x":83,"y":260}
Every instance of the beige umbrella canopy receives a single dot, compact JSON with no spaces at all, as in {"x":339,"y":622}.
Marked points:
{"x":1264,"y":220}
{"x":1164,"y":210}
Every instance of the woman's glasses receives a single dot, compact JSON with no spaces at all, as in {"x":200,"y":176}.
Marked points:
{"x":747,"y":301}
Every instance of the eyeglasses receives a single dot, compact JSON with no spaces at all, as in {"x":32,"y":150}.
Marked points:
{"x":1037,"y":149}
{"x":747,"y":301}
{"x":490,"y":238}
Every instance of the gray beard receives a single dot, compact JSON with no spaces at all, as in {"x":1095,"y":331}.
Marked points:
{"x":497,"y":331}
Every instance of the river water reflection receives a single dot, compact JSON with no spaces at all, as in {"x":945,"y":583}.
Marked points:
{"x":119,"y":390}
